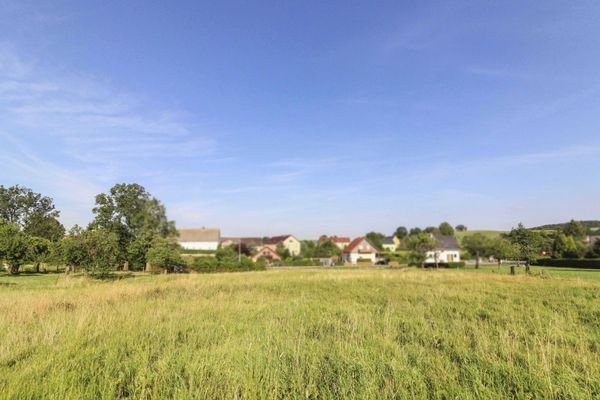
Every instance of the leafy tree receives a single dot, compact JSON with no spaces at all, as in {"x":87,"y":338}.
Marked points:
{"x":38,"y":251}
{"x":401,"y":232}
{"x":33,"y":213}
{"x":461,"y":228}
{"x":101,"y":251}
{"x":564,"y":246}
{"x":376,"y":239}
{"x":72,"y":250}
{"x":165,"y":253}
{"x":529,"y":244}
{"x":432,"y":229}
{"x":477,"y":245}
{"x":282,"y":251}
{"x":446,"y":229}
{"x":14,"y":246}
{"x":327,"y":249}
{"x":130,"y":212}
{"x":501,"y":249}
{"x":575,"y":229}
{"x":414,"y":231}
{"x":419,"y":245}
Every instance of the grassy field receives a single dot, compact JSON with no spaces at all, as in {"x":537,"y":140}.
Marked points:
{"x":330,"y":334}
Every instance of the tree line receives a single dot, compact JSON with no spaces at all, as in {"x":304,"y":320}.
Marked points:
{"x":130,"y":229}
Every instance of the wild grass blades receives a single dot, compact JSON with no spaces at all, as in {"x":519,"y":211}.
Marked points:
{"x":301,"y":334}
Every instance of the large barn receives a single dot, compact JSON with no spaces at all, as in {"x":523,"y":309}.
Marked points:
{"x":199,"y":238}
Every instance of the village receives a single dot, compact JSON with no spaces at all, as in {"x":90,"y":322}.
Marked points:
{"x":344,"y":251}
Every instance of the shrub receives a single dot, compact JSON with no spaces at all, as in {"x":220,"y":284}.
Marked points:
{"x":458,"y":264}
{"x":569,"y":263}
{"x":165,"y":254}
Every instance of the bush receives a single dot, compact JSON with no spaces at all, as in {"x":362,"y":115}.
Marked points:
{"x":225,"y":261}
{"x":458,"y":264}
{"x":569,"y":263}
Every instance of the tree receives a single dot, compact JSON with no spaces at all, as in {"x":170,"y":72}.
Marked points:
{"x":33,"y":213}
{"x":38,"y":251}
{"x":72,"y":250}
{"x":528,"y":244}
{"x":501,"y":249}
{"x":327,"y":249}
{"x":164,"y":253}
{"x":446,"y":229}
{"x":282,"y":251}
{"x":130,"y":212}
{"x":101,"y":251}
{"x":575,"y":229}
{"x":420,"y":245}
{"x":14,"y":246}
{"x":401,"y":232}
{"x":414,"y":231}
{"x":461,"y":228}
{"x":432,"y":229}
{"x":376,"y":239}
{"x":477,"y":245}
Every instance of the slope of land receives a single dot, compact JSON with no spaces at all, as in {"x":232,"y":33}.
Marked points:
{"x":302,"y":334}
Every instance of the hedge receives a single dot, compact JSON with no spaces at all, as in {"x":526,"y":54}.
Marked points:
{"x":586,"y":263}
{"x":457,"y":264}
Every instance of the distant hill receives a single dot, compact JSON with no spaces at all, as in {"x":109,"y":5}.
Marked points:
{"x":592,"y":224}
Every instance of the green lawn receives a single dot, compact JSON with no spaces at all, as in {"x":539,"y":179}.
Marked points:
{"x":360,"y":333}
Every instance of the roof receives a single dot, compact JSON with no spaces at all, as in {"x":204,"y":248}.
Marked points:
{"x":199,"y":235}
{"x":277,"y":239}
{"x":355,"y":243}
{"x":446,"y":242}
{"x":388,"y":240}
{"x":595,"y":233}
{"x":248,"y":241}
{"x":336,"y":239}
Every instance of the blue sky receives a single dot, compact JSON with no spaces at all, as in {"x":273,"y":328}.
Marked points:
{"x":308,"y":117}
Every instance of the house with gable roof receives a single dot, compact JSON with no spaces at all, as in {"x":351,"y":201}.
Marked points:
{"x":446,"y":251}
{"x":289,"y":242}
{"x":360,"y":250}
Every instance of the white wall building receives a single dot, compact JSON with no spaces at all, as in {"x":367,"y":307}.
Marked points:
{"x":199,"y":238}
{"x":446,"y":251}
{"x":360,"y":250}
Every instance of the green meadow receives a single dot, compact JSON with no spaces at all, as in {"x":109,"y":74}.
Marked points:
{"x":308,"y":333}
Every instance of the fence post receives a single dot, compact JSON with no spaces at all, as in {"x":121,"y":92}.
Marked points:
{"x":512,"y":270}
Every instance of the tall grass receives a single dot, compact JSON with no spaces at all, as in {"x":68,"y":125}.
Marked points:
{"x":301,"y":334}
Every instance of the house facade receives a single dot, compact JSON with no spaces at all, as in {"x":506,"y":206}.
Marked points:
{"x":390,"y":243}
{"x":360,"y":250}
{"x":199,"y":238}
{"x":289,"y":242}
{"x":339,"y":241}
{"x":593,"y":237}
{"x":267,"y":253}
{"x":447,"y":250}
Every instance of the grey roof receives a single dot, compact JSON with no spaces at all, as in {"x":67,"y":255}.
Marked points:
{"x":446,"y":242}
{"x":595,"y":233}
{"x":199,"y":235}
{"x":388,"y":240}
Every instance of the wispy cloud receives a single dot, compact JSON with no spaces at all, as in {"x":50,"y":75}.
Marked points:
{"x":80,"y":132}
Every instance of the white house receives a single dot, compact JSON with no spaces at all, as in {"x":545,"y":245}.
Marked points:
{"x":447,"y":250}
{"x":360,"y":250}
{"x":199,"y":238}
